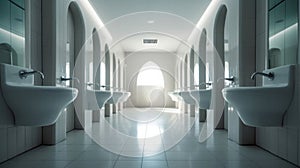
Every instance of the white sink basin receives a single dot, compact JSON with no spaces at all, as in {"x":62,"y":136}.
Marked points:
{"x":97,"y":98}
{"x":187,"y":98}
{"x":124,"y":97}
{"x":116,"y":95}
{"x":33,"y":105}
{"x":202,"y":97}
{"x":266,"y":105}
{"x":264,"y":100}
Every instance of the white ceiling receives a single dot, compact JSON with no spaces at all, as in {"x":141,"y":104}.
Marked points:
{"x":135,"y":43}
{"x":128,"y":21}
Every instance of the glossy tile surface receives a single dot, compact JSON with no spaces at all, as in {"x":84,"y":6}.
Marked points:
{"x":80,"y":150}
{"x":137,"y":132}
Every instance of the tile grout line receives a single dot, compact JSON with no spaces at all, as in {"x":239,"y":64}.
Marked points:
{"x":165,"y":152}
{"x":72,"y":161}
{"x":144,"y":146}
{"x":115,"y":163}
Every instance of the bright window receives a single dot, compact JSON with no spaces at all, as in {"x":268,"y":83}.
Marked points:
{"x":226,"y":73}
{"x":90,"y":75}
{"x":196,"y":74}
{"x":207,"y":72}
{"x":150,"y":75}
{"x":102,"y":74}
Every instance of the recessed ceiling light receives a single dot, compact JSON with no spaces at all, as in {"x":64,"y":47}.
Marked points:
{"x":150,"y":21}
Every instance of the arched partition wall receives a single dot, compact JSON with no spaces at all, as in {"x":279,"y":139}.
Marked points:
{"x":202,"y":69}
{"x":96,"y":58}
{"x":191,"y":68}
{"x":115,"y":73}
{"x":119,"y":68}
{"x":79,"y":72}
{"x":191,"y":79}
{"x":107,"y":67}
{"x":180,"y":83}
{"x":73,"y":40}
{"x":119,"y":84}
{"x":185,"y":80}
{"x":96,"y":64}
{"x":218,"y":82}
{"x":70,"y":61}
{"x":115,"y":79}
{"x":202,"y":58}
{"x":107,"y":107}
{"x":123,"y":81}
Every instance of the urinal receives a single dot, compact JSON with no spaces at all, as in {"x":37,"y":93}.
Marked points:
{"x":266,"y":105}
{"x":32,"y":105}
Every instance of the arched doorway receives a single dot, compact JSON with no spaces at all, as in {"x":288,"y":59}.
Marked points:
{"x":150,"y":86}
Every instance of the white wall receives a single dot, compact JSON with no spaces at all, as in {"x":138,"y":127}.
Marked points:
{"x":134,"y":62}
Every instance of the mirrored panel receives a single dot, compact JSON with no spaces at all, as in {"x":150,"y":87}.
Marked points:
{"x":283,"y":32}
{"x":12,"y":32}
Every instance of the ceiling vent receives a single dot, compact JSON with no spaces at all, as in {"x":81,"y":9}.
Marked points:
{"x":150,"y":41}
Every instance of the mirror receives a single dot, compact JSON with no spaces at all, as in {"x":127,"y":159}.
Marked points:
{"x":283,"y":32}
{"x":12,"y":32}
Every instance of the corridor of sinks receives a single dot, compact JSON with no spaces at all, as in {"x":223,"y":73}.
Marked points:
{"x":203,"y":83}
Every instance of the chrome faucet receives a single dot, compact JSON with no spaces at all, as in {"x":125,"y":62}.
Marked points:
{"x":23,"y":73}
{"x":231,"y":79}
{"x":63,"y":78}
{"x":106,"y":87}
{"x":203,"y":84}
{"x":269,"y":75}
{"x":111,"y":87}
{"x":92,"y":84}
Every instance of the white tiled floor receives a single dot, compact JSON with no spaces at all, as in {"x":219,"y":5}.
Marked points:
{"x":79,"y":151}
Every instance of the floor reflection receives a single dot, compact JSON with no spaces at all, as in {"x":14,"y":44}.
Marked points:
{"x":129,"y":133}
